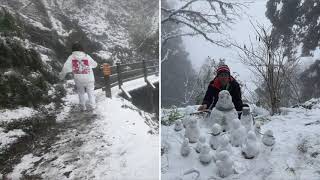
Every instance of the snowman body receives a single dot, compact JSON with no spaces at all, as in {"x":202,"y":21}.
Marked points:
{"x":192,"y":131}
{"x":200,"y":143}
{"x":178,"y":126}
{"x":205,"y":156}
{"x":268,"y":138}
{"x":225,"y":165}
{"x":238,"y":133}
{"x":185,"y":148}
{"x":250,"y":148}
{"x":247,"y":121}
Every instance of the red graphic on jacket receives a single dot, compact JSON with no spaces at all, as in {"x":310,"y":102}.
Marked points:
{"x":80,"y":67}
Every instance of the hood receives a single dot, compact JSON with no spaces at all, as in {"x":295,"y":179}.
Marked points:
{"x":79,"y":54}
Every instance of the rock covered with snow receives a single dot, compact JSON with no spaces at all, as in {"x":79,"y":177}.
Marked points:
{"x":205,"y":157}
{"x":250,"y":148}
{"x":178,"y":126}
{"x":215,"y":136}
{"x":224,"y":111}
{"x":224,"y":164}
{"x":185,"y":148}
{"x":238,"y":133}
{"x":201,"y":142}
{"x":268,"y":138}
{"x":192,"y":131}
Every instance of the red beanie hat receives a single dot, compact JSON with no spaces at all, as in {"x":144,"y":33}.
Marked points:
{"x":223,"y":68}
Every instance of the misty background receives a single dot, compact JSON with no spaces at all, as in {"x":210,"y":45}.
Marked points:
{"x":294,"y":24}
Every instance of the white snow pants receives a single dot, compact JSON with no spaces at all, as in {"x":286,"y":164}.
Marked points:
{"x":82,"y":90}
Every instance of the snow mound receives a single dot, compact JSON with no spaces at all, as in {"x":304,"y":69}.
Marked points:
{"x":10,"y":137}
{"x":7,"y":115}
{"x":313,"y":103}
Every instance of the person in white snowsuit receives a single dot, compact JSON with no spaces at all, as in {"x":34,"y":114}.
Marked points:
{"x":81,"y":65}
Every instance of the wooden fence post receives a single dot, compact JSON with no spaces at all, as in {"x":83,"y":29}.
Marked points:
{"x":145,"y":71}
{"x":107,"y":86}
{"x":119,"y":74}
{"x":106,"y":74}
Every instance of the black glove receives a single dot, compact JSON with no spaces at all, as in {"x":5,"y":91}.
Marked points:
{"x":239,"y":114}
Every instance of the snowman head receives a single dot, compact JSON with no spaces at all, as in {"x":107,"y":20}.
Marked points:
{"x":178,"y":122}
{"x":186,"y":141}
{"x":205,"y":149}
{"x":202,"y":139}
{"x":216,"y":129}
{"x":223,"y":155}
{"x":193,"y":123}
{"x":269,"y":133}
{"x":224,"y":101}
{"x":252,"y":136}
{"x":236,"y":123}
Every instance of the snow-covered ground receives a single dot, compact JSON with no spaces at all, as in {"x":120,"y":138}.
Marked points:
{"x":112,"y":142}
{"x":295,"y":155}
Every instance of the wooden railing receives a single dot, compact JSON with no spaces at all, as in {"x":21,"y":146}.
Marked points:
{"x":120,"y":73}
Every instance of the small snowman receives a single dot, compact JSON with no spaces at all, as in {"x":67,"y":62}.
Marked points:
{"x":185,"y":148}
{"x":215,"y":136}
{"x":238,"y":133}
{"x":250,"y":148}
{"x":200,"y":143}
{"x":178,"y":125}
{"x":224,"y":164}
{"x":205,"y":156}
{"x":192,"y":131}
{"x":257,"y":129}
{"x":224,"y":144}
{"x":268,"y":138}
{"x":246,"y":119}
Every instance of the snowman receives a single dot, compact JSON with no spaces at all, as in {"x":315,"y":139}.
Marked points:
{"x":268,"y":138}
{"x":238,"y":133}
{"x":200,"y":143}
{"x":257,"y":129}
{"x":250,"y":148}
{"x":205,"y":156}
{"x":224,"y":164}
{"x":178,"y":125}
{"x":185,"y":148}
{"x":246,"y":119}
{"x":192,"y":131}
{"x":224,"y":111}
{"x":224,"y":144}
{"x":215,"y":136}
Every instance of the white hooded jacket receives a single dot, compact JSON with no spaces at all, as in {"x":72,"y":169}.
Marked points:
{"x":80,"y":64}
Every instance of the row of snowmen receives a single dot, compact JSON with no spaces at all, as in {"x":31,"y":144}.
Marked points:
{"x":226,"y":131}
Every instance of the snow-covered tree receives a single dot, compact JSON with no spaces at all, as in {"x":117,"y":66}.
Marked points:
{"x":275,"y":71}
{"x":201,"y":18}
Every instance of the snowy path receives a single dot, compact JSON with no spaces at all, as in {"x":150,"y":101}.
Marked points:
{"x":295,"y":156}
{"x":113,"y":142}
